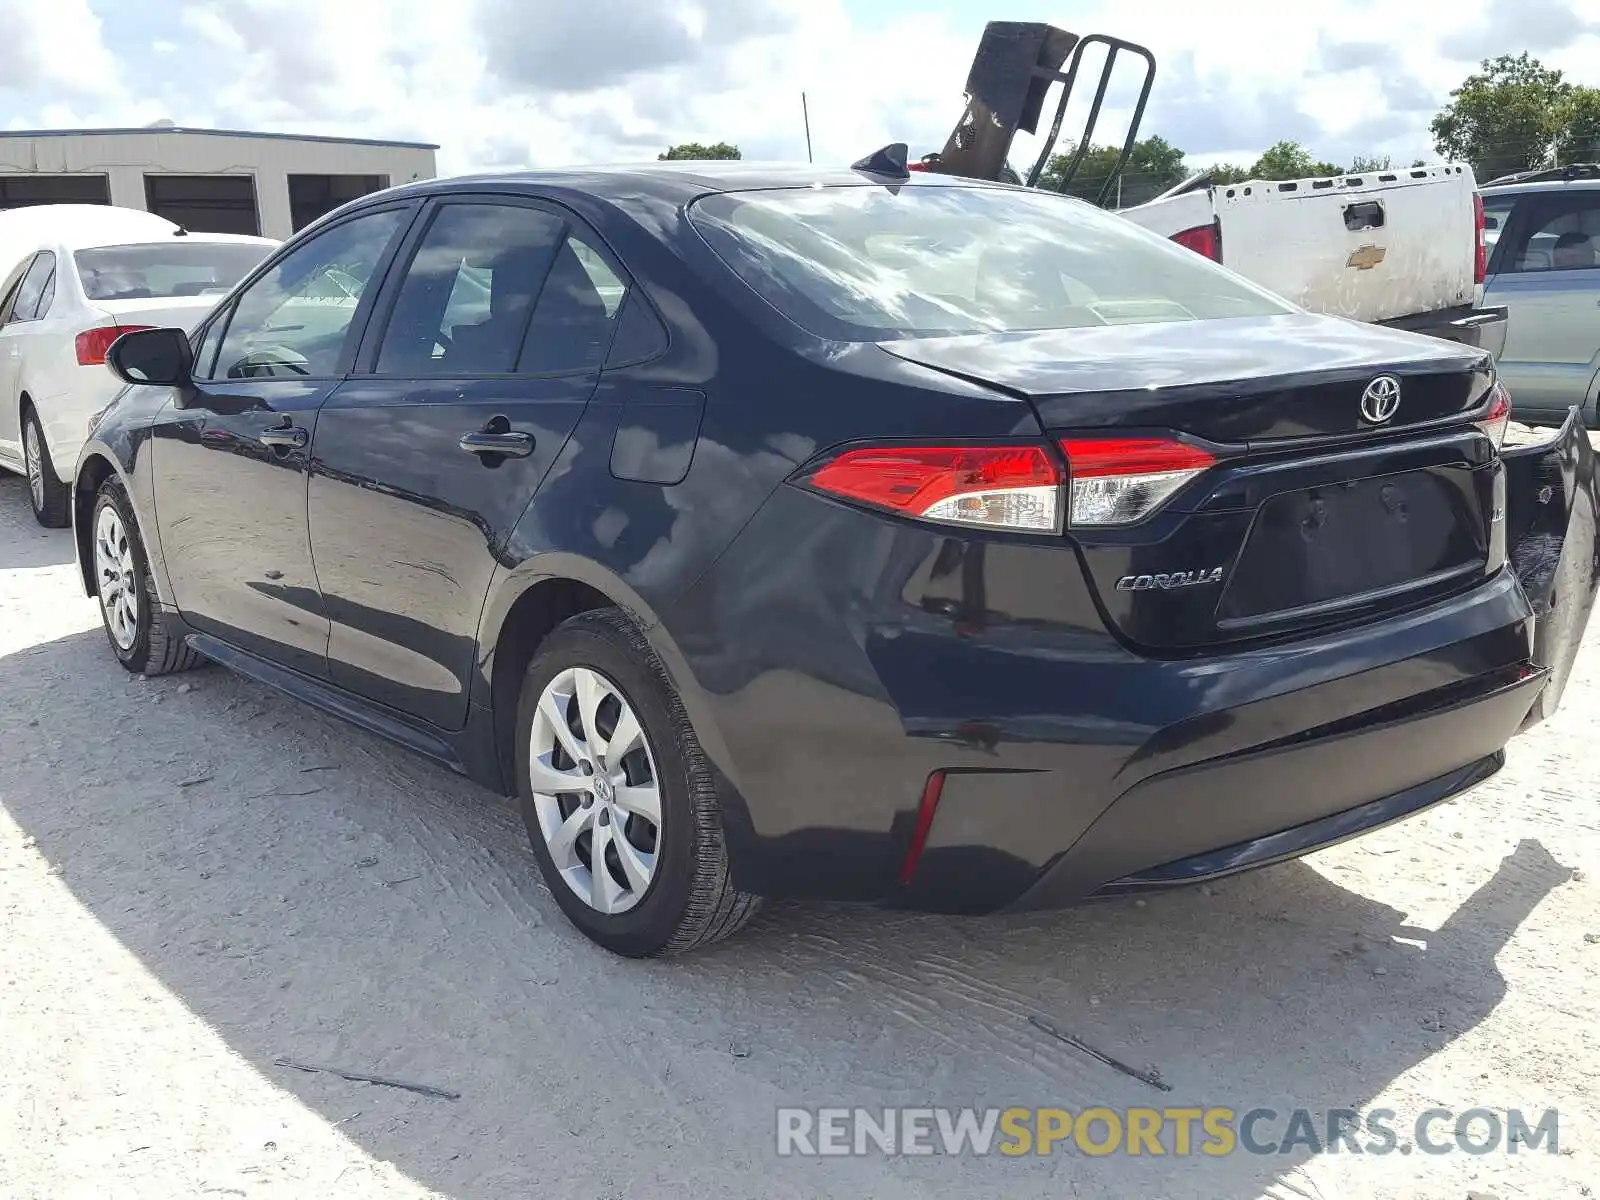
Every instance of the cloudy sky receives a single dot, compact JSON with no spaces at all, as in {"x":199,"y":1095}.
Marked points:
{"x":506,"y":83}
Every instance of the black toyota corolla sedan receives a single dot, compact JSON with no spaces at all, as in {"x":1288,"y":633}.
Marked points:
{"x":785,"y":532}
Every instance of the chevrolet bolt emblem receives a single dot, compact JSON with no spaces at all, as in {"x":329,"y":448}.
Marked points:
{"x":1366,"y":257}
{"x":1381,"y":399}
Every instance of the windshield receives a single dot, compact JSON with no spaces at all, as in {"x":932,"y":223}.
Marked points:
{"x":166,"y":269}
{"x":863,"y":263}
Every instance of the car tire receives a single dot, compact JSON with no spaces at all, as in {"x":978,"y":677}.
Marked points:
{"x":674,"y":892}
{"x":142,"y":636}
{"x":50,"y":498}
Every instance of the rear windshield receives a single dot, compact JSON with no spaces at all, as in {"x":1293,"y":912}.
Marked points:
{"x":176,"y":268}
{"x":863,"y":263}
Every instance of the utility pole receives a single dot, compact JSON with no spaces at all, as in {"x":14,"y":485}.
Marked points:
{"x":805,"y":111}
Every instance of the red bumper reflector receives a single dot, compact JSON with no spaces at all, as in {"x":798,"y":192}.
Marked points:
{"x":931,"y":791}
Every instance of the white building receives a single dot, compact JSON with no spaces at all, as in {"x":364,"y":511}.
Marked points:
{"x":211,"y":180}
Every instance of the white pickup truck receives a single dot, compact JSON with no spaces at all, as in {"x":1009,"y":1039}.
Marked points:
{"x":1401,"y":247}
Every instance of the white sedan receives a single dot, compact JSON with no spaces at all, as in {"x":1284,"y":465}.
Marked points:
{"x":83,"y":276}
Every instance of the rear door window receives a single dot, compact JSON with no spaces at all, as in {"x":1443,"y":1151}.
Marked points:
{"x":1496,"y":213}
{"x":48,"y":296}
{"x":576,"y":316}
{"x":40,"y":273}
{"x":1550,"y":232}
{"x":499,"y":289}
{"x":469,"y":291}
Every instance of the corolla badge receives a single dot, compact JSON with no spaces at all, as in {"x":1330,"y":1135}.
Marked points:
{"x":1169,"y":581}
{"x":1381,"y":399}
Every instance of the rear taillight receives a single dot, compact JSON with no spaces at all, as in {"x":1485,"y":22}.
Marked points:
{"x":1205,"y":240}
{"x":1110,"y":481}
{"x":997,"y":487}
{"x":1117,"y":481}
{"x":1480,"y":266}
{"x":1498,"y":419}
{"x":92,"y":344}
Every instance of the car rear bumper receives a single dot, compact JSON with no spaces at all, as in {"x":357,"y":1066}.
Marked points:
{"x":1307,"y":788}
{"x":1280,"y":802}
{"x":1068,"y":762}
{"x":1290,"y":843}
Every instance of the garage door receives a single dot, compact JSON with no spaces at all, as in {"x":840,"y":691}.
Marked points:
{"x":21,"y":191}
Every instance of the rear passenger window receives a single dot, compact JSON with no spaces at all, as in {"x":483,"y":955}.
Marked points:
{"x":469,"y":291}
{"x":576,"y":314}
{"x":1558,"y":232}
{"x":41,"y":272}
{"x":1496,"y":212}
{"x":48,"y":296}
{"x":497,"y":289}
{"x":639,"y":335}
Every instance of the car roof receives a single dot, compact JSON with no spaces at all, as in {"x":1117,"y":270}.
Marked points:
{"x":69,"y":223}
{"x":676,"y":181}
{"x":1541,"y":186}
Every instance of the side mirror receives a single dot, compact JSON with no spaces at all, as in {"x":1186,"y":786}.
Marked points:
{"x":158,"y":357}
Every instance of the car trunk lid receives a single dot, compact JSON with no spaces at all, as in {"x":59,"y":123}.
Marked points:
{"x":1323,"y":503}
{"x":178,"y":312}
{"x":1239,"y":380}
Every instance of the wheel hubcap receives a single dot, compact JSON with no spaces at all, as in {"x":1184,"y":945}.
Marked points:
{"x":595,"y":790}
{"x":113,"y":568}
{"x":34,"y":463}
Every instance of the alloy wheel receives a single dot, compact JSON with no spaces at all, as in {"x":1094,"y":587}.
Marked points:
{"x":114,"y":571}
{"x":34,"y":462}
{"x":595,"y":790}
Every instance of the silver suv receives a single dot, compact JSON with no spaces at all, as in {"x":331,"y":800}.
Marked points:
{"x":1543,"y":230}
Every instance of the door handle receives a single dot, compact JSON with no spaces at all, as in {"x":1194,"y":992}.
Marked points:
{"x":512,"y":445}
{"x":288,"y":438}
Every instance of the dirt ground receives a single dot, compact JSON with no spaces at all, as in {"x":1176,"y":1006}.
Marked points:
{"x":198,"y":877}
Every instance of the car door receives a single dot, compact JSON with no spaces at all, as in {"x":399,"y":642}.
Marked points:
{"x":490,"y":348}
{"x":230,"y":455}
{"x":1545,"y":269}
{"x":17,"y":326}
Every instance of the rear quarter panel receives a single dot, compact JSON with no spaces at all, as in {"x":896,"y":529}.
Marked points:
{"x":774,"y":399}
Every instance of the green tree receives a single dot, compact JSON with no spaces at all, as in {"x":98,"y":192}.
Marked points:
{"x":1579,"y":139}
{"x":699,"y":151}
{"x":1153,"y":166}
{"x":1291,"y":160}
{"x":1224,"y":173}
{"x":1363,"y":163}
{"x":1511,"y":116}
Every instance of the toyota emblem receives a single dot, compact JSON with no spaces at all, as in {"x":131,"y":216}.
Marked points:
{"x":1381,"y":399}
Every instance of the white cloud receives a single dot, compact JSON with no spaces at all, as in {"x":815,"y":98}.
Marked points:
{"x":503,"y":83}
{"x":54,"y":50}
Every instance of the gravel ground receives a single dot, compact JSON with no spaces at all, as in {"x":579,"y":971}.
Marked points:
{"x":198,"y":877}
